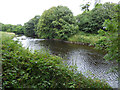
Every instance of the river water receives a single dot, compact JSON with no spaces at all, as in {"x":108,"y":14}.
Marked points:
{"x":88,"y":60}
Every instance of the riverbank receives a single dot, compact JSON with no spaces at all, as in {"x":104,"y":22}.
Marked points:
{"x":85,"y":38}
{"x":82,"y":38}
{"x":23,"y":69}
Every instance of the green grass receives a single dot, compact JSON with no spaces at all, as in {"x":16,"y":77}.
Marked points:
{"x":7,"y":34}
{"x":23,"y":69}
{"x":85,"y":38}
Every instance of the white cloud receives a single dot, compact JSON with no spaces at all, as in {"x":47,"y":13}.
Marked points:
{"x":20,"y":11}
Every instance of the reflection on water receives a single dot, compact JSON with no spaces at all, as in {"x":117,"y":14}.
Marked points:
{"x":88,"y":60}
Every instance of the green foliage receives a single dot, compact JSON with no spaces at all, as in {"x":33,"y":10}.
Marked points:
{"x":86,"y":38}
{"x":1,"y":24}
{"x":30,"y":27}
{"x":110,"y":40}
{"x":18,"y":29}
{"x":85,"y":7}
{"x":57,"y":22}
{"x":98,"y":5}
{"x":92,"y":21}
{"x":6,"y":27}
{"x":23,"y":69}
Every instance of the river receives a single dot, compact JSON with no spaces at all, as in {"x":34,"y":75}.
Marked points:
{"x":88,"y":60}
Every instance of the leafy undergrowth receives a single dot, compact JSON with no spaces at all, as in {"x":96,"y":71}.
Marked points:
{"x":85,"y":38}
{"x":23,"y":69}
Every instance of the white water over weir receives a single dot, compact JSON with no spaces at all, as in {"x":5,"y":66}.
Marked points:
{"x":88,"y":60}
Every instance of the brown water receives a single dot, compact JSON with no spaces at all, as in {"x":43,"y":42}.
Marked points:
{"x":88,"y":60}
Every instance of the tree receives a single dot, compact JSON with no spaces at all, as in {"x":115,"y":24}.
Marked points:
{"x":1,"y":24}
{"x":85,"y":7}
{"x":18,"y":29}
{"x":57,"y":22}
{"x":30,"y":26}
{"x":7,"y":27}
{"x":97,"y":2}
{"x":93,"y":20}
{"x":110,"y":41}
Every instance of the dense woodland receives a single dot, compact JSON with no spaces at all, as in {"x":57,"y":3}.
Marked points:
{"x":59,"y":23}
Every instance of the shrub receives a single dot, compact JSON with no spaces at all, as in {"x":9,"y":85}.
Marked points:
{"x":92,"y":21}
{"x":30,"y":26}
{"x":23,"y":69}
{"x":57,"y":22}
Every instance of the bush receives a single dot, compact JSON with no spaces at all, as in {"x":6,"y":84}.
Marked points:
{"x":93,"y":20}
{"x":91,"y":39}
{"x":23,"y":69}
{"x":57,"y":22}
{"x":31,"y":27}
{"x":110,"y":41}
{"x":18,"y":29}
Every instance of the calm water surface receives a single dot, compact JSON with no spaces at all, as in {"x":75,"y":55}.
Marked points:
{"x":88,"y":60}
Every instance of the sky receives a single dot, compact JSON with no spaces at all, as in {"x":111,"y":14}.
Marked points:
{"x":21,"y":11}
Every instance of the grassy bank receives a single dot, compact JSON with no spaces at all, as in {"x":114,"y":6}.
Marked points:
{"x":82,"y":37}
{"x":23,"y":69}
